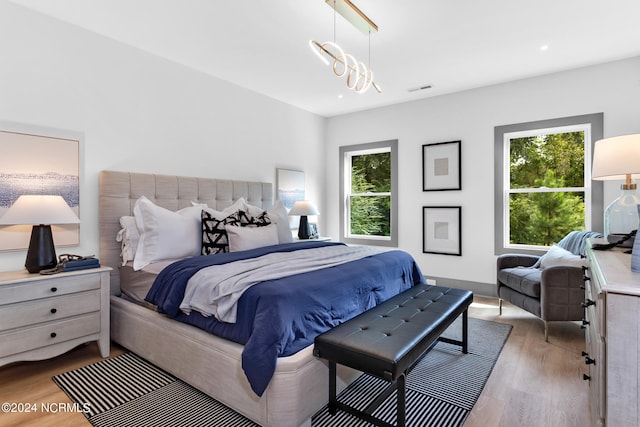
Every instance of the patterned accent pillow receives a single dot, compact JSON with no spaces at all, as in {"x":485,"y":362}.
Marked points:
{"x":260,"y":220}
{"x":214,"y":235}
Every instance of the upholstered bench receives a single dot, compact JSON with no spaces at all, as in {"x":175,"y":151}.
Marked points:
{"x":389,"y":339}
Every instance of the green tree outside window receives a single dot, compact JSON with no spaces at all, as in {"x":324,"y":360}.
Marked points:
{"x":547,"y":197}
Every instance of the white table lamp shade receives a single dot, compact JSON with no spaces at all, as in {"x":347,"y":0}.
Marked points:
{"x":34,"y":209}
{"x":615,"y":158}
{"x":304,"y":207}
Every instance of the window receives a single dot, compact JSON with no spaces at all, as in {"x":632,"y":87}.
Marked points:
{"x":368,"y":209}
{"x":543,"y":182}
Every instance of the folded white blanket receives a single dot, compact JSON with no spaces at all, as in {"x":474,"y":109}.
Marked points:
{"x":215,"y":290}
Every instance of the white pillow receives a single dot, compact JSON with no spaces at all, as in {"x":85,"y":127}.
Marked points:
{"x":129,"y":237}
{"x":165,"y":235}
{"x":244,"y":238}
{"x":236,"y":206}
{"x":278,"y":216}
{"x":559,"y":256}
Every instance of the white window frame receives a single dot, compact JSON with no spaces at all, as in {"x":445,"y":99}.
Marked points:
{"x":594,"y":209}
{"x":346,"y":154}
{"x":508,"y":191}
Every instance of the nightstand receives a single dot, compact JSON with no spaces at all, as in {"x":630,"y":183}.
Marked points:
{"x":42,"y":316}
{"x":317,"y":239}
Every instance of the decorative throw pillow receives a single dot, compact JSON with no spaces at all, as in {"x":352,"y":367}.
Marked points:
{"x":278,"y":216}
{"x":245,"y":238}
{"x":128,"y":236}
{"x":559,"y":256}
{"x":260,"y":220}
{"x":214,"y":235}
{"x":164,"y":234}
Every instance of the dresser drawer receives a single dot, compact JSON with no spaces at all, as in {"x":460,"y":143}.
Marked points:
{"x":48,"y":309}
{"x":45,"y":334}
{"x":47,"y":287}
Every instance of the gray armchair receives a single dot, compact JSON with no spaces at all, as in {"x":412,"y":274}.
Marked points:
{"x":553,"y":293}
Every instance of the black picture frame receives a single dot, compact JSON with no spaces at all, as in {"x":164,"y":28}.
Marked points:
{"x":442,"y":230}
{"x":441,"y":166}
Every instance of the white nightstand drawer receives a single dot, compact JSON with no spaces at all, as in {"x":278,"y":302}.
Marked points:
{"x":47,"y":286}
{"x":48,"y":309}
{"x":45,"y":334}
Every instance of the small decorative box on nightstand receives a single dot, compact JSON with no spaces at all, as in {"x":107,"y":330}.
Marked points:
{"x":42,"y":316}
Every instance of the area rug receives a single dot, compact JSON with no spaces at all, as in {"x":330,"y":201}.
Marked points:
{"x":441,"y":390}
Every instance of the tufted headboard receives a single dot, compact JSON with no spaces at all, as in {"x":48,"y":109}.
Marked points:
{"x":120,"y":190}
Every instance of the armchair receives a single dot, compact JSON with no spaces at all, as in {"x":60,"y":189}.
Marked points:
{"x":548,"y":287}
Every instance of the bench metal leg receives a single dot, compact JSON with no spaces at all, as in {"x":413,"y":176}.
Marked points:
{"x":402,"y":400}
{"x":465,"y":331}
{"x":333,"y":401}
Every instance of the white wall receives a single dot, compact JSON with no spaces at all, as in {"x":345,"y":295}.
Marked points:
{"x":142,"y":113}
{"x":471,"y":116}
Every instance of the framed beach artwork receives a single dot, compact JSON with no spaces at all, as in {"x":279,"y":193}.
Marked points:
{"x":38,"y":161}
{"x":290,"y":189}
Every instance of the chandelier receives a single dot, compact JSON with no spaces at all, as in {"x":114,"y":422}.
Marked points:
{"x":358,"y":74}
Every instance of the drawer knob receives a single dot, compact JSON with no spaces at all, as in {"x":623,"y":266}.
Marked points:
{"x":588,"y":303}
{"x":54,"y":289}
{"x":589,"y":361}
{"x":585,"y":322}
{"x":54,"y":310}
{"x":586,"y":377}
{"x":53,"y":335}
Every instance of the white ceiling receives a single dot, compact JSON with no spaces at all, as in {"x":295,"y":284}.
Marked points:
{"x":452,"y":45}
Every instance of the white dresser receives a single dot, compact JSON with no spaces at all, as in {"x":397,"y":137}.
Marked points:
{"x":613,"y":338}
{"x":42,"y":316}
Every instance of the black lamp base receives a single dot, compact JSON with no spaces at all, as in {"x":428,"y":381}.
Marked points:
{"x":304,"y":230}
{"x":41,"y":254}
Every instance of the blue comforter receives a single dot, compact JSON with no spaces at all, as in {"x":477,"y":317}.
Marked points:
{"x":277,"y":318}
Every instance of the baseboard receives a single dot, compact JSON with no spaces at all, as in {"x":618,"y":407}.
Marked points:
{"x":478,"y":288}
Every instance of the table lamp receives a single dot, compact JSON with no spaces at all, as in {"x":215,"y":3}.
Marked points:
{"x":618,"y":158}
{"x":304,"y":208}
{"x":41,"y":212}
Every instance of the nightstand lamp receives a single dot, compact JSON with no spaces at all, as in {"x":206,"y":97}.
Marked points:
{"x":40,"y":211}
{"x":618,"y":158}
{"x":304,"y":208}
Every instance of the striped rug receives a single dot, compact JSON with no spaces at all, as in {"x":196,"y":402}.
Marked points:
{"x":441,"y":390}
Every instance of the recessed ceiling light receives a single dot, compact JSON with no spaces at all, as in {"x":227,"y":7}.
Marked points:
{"x":544,"y":47}
{"x":339,"y":96}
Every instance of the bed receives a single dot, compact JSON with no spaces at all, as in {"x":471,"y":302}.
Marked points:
{"x":299,"y":384}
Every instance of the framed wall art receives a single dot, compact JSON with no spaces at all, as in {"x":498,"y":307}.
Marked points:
{"x":38,"y":161}
{"x":441,"y":166}
{"x":441,"y":230}
{"x":290,"y":189}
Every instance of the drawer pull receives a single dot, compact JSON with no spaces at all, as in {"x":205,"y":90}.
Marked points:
{"x":585,"y":322}
{"x":54,"y":310}
{"x":586,"y":377}
{"x":588,"y":303}
{"x":53,"y":335}
{"x":589,"y":361}
{"x":54,"y":289}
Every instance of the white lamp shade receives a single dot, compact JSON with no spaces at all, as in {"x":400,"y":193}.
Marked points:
{"x":304,"y":207}
{"x":36,"y":209}
{"x":614,"y":158}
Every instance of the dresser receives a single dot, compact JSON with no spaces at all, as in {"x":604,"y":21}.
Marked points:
{"x":42,"y":316}
{"x":612,"y":321}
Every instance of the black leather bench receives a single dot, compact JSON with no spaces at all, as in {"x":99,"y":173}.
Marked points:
{"x":389,"y":339}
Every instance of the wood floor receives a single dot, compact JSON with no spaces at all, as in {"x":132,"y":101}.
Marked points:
{"x":534,"y":383}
